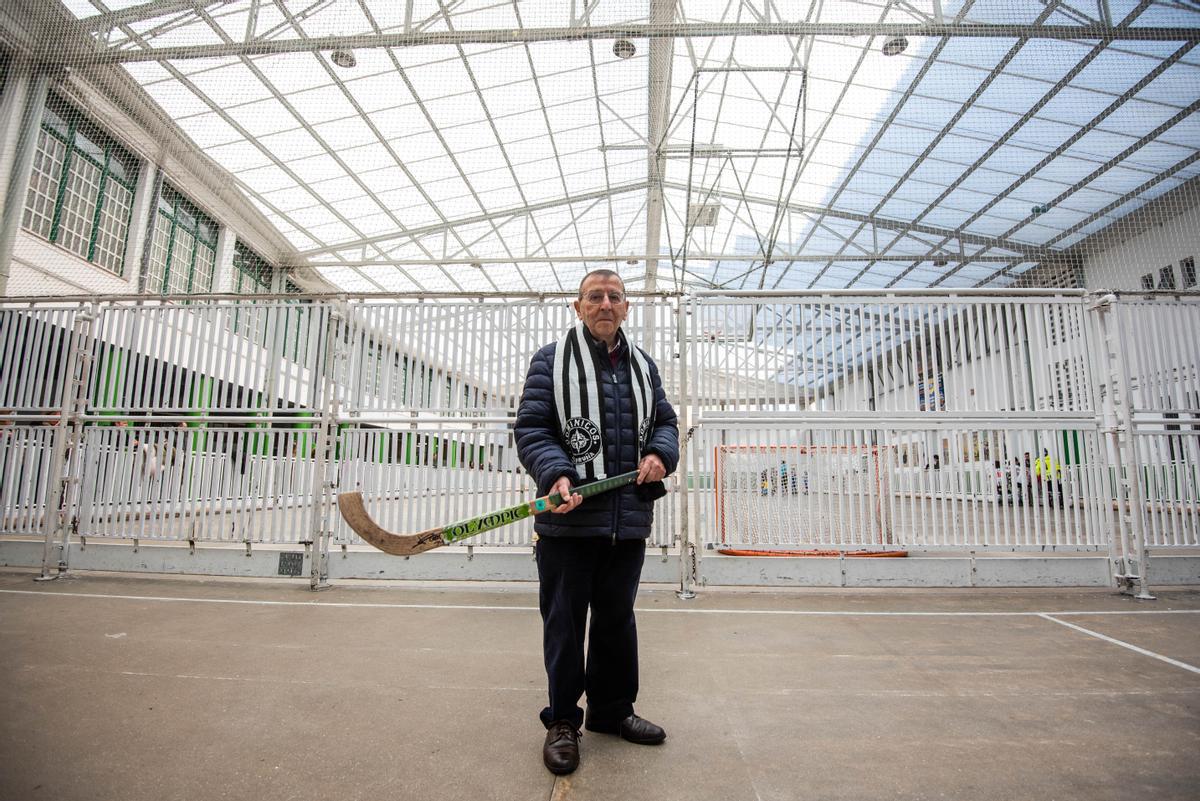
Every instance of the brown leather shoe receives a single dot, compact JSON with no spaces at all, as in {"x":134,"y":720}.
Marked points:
{"x":632,"y":729}
{"x":561,"y":749}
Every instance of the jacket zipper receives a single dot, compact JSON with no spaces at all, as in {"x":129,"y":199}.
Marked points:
{"x":617,"y":496}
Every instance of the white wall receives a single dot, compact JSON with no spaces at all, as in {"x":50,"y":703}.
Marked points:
{"x":40,"y":268}
{"x":1121,"y":266}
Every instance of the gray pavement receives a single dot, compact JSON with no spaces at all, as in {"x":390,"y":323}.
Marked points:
{"x":152,"y":688}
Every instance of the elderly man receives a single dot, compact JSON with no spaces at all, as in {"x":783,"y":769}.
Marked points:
{"x":594,"y":406}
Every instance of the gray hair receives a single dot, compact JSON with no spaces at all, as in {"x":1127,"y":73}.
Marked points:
{"x":602,"y":272}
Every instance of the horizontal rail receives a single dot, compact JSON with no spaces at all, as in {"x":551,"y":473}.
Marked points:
{"x":889,"y":419}
{"x":154,"y":300}
{"x":884,"y":294}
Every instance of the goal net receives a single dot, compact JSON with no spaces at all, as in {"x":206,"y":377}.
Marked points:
{"x":804,"y":495}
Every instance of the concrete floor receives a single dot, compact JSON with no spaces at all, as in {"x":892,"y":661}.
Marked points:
{"x":147,"y":689}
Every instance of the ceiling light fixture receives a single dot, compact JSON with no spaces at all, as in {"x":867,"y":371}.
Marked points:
{"x":343,"y":58}
{"x":623,"y":48}
{"x":895,"y":45}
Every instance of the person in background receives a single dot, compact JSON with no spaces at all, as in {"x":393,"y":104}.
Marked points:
{"x":1003,"y":483}
{"x":1020,"y":481}
{"x":1027,"y":468}
{"x":1049,"y":475}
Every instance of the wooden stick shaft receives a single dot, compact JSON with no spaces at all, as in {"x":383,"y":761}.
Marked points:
{"x":477,"y":525}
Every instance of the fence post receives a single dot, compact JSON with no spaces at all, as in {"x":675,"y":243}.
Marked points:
{"x":687,"y":550}
{"x":1119,"y":429}
{"x":61,"y":513}
{"x":320,"y":525}
{"x":1109,"y":449}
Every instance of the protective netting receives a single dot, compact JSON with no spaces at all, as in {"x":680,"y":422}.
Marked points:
{"x":378,"y":146}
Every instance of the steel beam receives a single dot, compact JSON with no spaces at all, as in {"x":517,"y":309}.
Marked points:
{"x":658,"y":106}
{"x":141,"y":13}
{"x":1102,"y":33}
{"x":732,"y":258}
{"x":516,"y":211}
{"x":1019,"y":248}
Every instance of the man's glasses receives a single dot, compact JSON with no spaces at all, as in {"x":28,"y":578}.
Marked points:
{"x":596,"y":298}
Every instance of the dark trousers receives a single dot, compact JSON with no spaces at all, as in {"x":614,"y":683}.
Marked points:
{"x":576,"y":573}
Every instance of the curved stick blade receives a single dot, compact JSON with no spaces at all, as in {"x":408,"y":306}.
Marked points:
{"x":350,"y":504}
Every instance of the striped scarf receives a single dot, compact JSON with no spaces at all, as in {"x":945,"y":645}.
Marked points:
{"x":580,"y":403}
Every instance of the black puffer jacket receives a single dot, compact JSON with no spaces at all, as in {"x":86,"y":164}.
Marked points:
{"x":624,"y":512}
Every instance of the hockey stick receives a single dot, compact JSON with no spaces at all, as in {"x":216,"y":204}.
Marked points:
{"x":350,"y":504}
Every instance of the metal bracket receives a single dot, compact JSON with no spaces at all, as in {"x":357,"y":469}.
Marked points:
{"x":686,"y":593}
{"x":1129,"y":579}
{"x":1127,"y":584}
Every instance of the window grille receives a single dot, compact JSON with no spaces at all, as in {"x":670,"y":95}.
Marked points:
{"x":183,"y":247}
{"x":253,"y":275}
{"x":1187,"y":271}
{"x":1148,"y":281}
{"x":81,"y":189}
{"x":1166,"y":277}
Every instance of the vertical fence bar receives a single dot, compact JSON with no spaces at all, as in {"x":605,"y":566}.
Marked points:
{"x":1131,"y":501}
{"x":686,"y":416}
{"x":325,"y":398}
{"x":57,"y":513}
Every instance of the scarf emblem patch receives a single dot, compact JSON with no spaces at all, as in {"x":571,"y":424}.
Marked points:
{"x":583,"y":439}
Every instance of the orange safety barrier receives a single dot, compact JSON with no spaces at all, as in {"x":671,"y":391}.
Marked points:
{"x":871,"y":554}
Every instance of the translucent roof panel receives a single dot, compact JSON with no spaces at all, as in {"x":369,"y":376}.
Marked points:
{"x":395,"y":146}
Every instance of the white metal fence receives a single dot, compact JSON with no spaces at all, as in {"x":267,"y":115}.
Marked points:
{"x":1159,"y":381}
{"x":977,"y":410}
{"x":897,"y":420}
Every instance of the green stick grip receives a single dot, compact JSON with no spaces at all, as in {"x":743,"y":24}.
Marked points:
{"x":595,"y":488}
